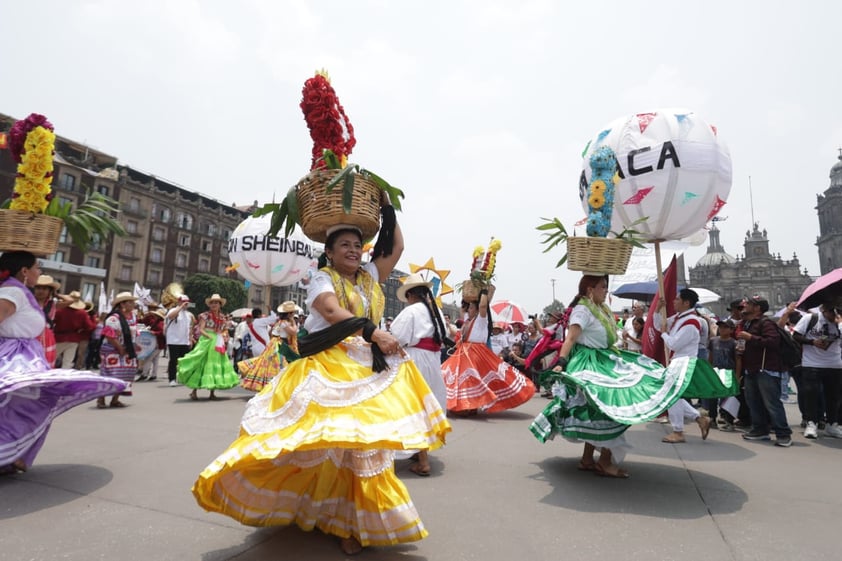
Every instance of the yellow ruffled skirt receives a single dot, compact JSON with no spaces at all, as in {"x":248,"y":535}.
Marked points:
{"x":316,"y":448}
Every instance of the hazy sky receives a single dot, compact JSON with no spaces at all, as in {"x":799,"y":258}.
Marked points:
{"x":479,"y":110}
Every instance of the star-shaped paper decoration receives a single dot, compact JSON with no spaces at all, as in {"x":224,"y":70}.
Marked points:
{"x":441,"y":274}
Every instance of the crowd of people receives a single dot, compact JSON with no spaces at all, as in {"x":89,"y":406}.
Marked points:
{"x":343,"y":393}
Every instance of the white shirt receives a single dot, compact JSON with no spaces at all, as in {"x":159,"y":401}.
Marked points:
{"x":593,"y":332}
{"x":321,"y":282}
{"x":812,"y":356}
{"x":27,"y":322}
{"x":683,"y":334}
{"x":178,"y":329}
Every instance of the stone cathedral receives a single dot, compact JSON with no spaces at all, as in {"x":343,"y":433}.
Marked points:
{"x":829,"y":209}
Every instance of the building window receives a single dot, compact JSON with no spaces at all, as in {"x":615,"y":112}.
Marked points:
{"x":91,"y":261}
{"x":211,"y":228}
{"x":184,"y":220}
{"x":102,"y":189}
{"x":178,"y":278}
{"x":154,"y":277}
{"x":207,"y":245}
{"x":204,"y":265}
{"x":126,"y":272}
{"x":131,"y":227}
{"x":128,"y":248}
{"x":134,"y":204}
{"x":62,"y":238}
{"x":68,"y":181}
{"x":181,"y":260}
{"x":96,"y":242}
{"x":158,"y":234}
{"x":88,"y":291}
{"x":258,"y":294}
{"x":58,"y":256}
{"x":184,"y":240}
{"x":226,"y":234}
{"x":156,"y":255}
{"x":165,"y":214}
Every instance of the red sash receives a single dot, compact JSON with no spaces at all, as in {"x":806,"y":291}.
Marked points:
{"x":428,"y":344}
{"x":256,"y":336}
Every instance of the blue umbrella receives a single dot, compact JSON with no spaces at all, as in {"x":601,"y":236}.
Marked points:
{"x":639,"y":290}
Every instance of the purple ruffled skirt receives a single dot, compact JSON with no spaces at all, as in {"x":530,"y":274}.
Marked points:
{"x":32,"y":394}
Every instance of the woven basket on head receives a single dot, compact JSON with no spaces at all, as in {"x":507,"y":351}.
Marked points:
{"x":318,"y":210}
{"x":605,"y":256}
{"x":470,"y":290}
{"x":25,"y":231}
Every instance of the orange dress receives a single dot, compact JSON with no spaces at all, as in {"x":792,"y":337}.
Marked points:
{"x":476,"y":378}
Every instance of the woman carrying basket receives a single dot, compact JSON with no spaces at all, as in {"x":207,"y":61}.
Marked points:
{"x":317,"y":445}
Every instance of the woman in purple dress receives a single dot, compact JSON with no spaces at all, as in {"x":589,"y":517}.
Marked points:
{"x":32,"y":393}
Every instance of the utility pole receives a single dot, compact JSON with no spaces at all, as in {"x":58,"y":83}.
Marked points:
{"x":553,"y":283}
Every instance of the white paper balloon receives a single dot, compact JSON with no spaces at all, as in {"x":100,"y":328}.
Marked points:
{"x":268,"y":260}
{"x":672,"y":167}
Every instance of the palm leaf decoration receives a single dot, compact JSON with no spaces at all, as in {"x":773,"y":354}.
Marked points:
{"x":94,"y":218}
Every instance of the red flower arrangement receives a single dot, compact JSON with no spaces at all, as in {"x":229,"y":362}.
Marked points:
{"x":329,"y":127}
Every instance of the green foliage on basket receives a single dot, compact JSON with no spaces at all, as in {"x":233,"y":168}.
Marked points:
{"x":286,"y":213}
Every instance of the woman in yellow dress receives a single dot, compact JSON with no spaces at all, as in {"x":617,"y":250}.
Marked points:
{"x":317,"y":445}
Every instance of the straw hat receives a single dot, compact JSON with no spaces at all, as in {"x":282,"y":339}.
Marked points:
{"x":159,"y":312}
{"x":89,"y":306}
{"x":411,"y":281}
{"x":123,"y":297}
{"x":215,"y":298}
{"x":287,"y":307}
{"x":47,"y":280}
{"x":78,"y":303}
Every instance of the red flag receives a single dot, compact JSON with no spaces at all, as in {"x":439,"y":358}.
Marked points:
{"x":653,"y":345}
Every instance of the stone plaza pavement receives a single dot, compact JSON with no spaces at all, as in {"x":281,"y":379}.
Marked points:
{"x":115,"y":484}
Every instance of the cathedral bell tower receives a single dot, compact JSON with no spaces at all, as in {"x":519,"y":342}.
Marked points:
{"x":829,"y":209}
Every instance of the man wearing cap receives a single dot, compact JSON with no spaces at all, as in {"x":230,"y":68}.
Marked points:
{"x":72,"y":324}
{"x":762,"y":369}
{"x":178,"y":328}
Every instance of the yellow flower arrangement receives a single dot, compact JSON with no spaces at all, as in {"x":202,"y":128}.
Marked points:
{"x":35,"y":172}
{"x":32,"y":145}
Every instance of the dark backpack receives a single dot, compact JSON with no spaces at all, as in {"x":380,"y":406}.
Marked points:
{"x":790,"y":348}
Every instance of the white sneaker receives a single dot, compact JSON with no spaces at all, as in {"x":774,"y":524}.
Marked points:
{"x":811,"y":430}
{"x":173,"y":384}
{"x":834,"y":430}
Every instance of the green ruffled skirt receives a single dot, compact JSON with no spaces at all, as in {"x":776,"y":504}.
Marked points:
{"x":205,"y":368}
{"x":606,"y":390}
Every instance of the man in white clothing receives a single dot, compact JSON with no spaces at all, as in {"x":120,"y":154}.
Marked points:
{"x":258,"y":328}
{"x":682,"y":338}
{"x":178,"y":330}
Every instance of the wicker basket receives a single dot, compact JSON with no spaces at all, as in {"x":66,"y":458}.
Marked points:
{"x":603,"y":256}
{"x":318,"y":210}
{"x":25,"y":231}
{"x":470,"y":290}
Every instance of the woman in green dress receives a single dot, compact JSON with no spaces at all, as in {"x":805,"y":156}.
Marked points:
{"x":599,"y":390}
{"x":207,"y":366}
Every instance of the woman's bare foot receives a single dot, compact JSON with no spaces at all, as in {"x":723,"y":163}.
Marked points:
{"x":100,"y":403}
{"x":19,"y":465}
{"x":193,"y":396}
{"x":350,"y":546}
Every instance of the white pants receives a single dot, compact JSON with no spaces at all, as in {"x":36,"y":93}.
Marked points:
{"x":679,"y":411}
{"x":150,"y":365}
{"x":66,"y":354}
